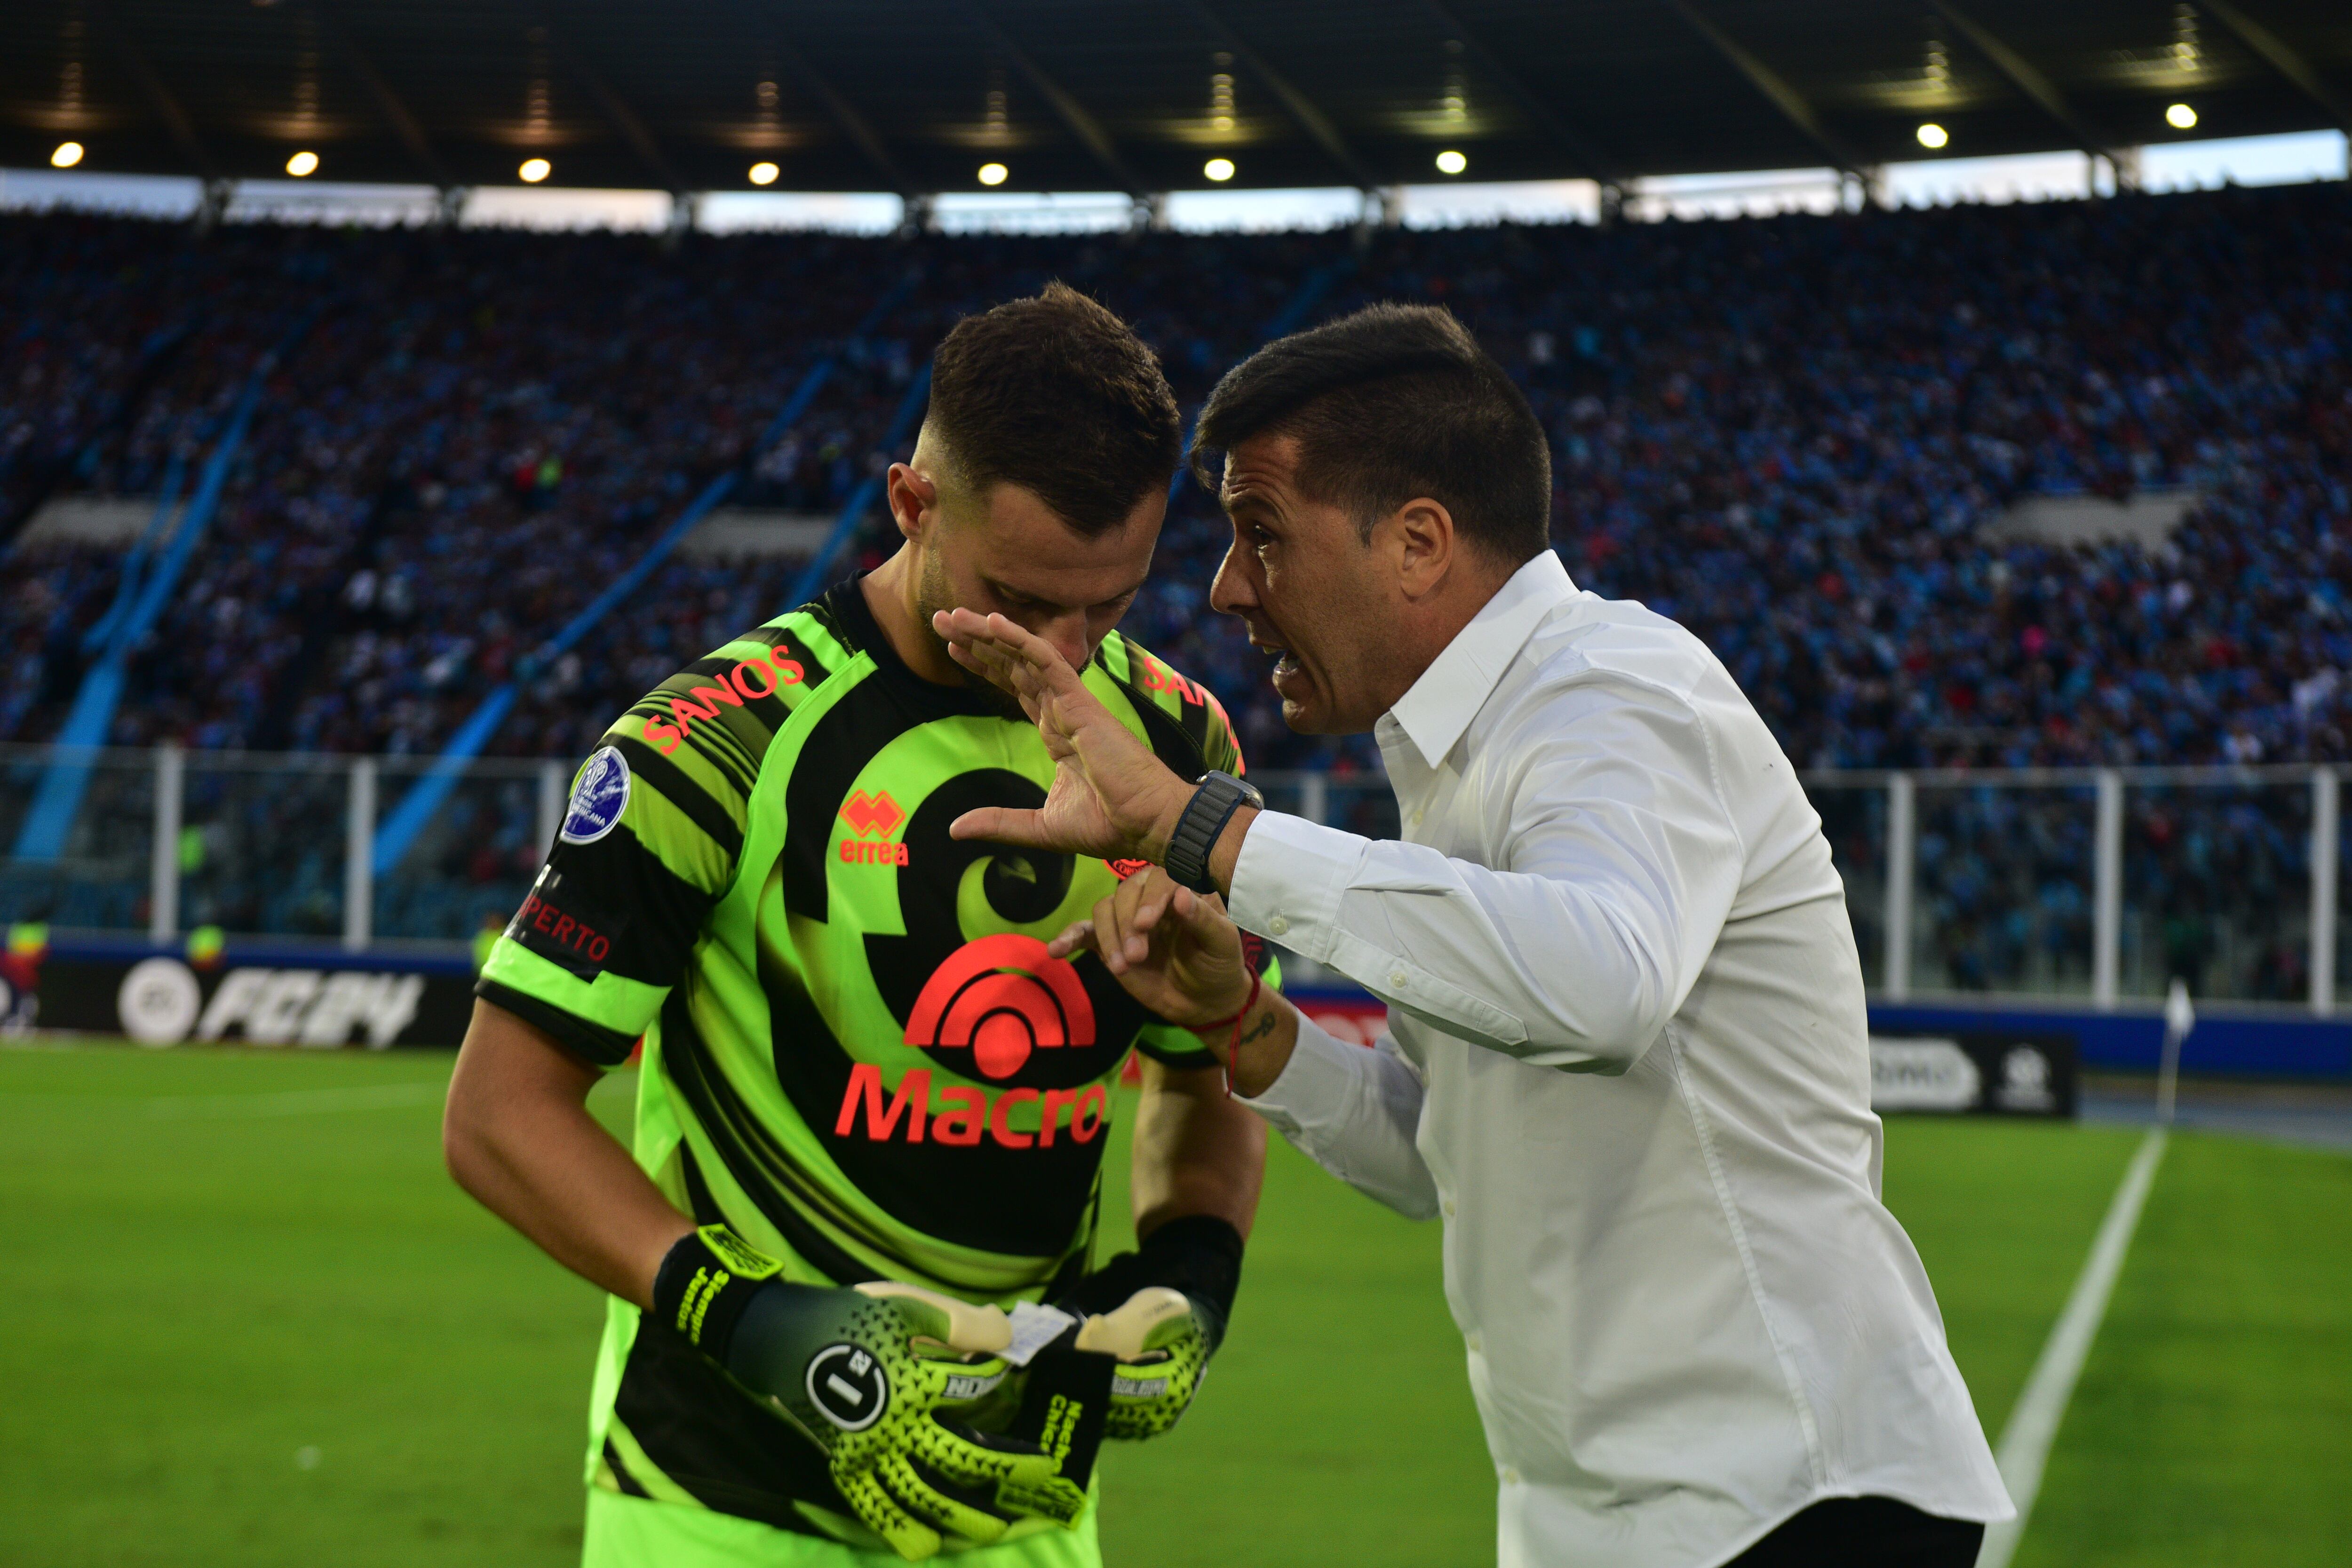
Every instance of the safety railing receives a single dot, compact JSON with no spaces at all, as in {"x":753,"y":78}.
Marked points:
{"x":2097,"y":886}
{"x":277,"y":844}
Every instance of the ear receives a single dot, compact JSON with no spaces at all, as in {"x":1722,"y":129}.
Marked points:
{"x":913,"y":495}
{"x":1423,"y":544}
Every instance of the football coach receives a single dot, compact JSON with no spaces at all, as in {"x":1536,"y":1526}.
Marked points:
{"x":1627,"y":1056}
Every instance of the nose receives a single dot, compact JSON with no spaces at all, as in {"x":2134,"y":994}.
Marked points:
{"x":1068,"y":633}
{"x":1231,"y":593}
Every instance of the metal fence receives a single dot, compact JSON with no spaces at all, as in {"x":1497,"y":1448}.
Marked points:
{"x":2094,"y":884}
{"x":275,"y":845}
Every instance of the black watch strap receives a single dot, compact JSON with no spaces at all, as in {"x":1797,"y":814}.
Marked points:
{"x":1204,"y":823}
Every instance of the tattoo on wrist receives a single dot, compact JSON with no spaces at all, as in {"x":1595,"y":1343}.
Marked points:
{"x":1259,"y":1030}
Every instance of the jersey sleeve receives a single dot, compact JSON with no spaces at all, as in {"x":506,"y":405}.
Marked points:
{"x":1187,"y":728}
{"x":652,"y":834}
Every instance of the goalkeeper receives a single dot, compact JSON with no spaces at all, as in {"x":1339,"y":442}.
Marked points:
{"x":855,"y":1314}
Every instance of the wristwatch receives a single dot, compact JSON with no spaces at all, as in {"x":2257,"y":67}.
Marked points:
{"x":1212,"y":805}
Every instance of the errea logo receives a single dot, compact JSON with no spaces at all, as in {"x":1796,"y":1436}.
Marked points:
{"x":872,"y":816}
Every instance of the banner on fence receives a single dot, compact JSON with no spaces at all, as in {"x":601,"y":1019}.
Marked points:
{"x":166,"y":1001}
{"x":1997,"y":1072}
{"x":163,"y":1000}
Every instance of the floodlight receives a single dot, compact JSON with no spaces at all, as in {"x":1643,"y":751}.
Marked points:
{"x":1451,"y":163}
{"x":993,"y":174}
{"x":68,"y":154}
{"x":1932,"y":135}
{"x":2180,"y":117}
{"x":302,"y":164}
{"x":764,"y":174}
{"x":1218,"y":169}
{"x":535,"y":170}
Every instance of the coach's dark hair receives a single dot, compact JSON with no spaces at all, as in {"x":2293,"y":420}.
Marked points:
{"x":1057,"y":395}
{"x":1392,"y":403}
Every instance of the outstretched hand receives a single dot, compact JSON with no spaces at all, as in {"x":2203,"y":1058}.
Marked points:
{"x":1172,"y":948}
{"x":1110,"y":797}
{"x":1178,"y":953}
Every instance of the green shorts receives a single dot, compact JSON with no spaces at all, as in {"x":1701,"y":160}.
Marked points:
{"x":634,"y":1532}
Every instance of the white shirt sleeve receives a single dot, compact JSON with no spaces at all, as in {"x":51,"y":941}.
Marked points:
{"x":1355,"y":1113}
{"x":1602,"y":800}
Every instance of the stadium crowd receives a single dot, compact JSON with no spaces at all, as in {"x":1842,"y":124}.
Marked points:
{"x":1790,"y":434}
{"x":1793,"y":434}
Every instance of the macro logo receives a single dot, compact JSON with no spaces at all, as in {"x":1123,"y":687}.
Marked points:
{"x":872,"y":817}
{"x":1003,"y":997}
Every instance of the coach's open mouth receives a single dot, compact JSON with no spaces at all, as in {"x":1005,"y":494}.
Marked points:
{"x":1288,"y":676}
{"x":1285,"y":663}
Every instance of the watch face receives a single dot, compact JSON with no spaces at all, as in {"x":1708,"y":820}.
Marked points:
{"x":1240,"y":789}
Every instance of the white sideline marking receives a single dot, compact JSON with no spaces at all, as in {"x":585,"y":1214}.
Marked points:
{"x":2033,"y":1425}
{"x":295,"y":1101}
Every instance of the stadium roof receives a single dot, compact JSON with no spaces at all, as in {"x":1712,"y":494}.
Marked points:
{"x":916,"y":95}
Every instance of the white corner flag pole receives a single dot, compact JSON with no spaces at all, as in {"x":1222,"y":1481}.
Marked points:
{"x":2033,"y":1427}
{"x":2180,"y":1017}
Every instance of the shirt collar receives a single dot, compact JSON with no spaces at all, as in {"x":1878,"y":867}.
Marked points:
{"x":1440,"y":705}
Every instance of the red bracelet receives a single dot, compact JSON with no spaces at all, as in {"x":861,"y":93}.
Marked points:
{"x":1236,"y":1022}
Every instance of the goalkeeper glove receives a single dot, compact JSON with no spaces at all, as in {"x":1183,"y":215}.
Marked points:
{"x":1161,"y":1310}
{"x":1162,"y":1344}
{"x":868,"y":1375}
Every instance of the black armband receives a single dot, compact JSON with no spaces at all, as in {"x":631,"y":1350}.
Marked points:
{"x":1198,"y":1254}
{"x":703,"y":1285}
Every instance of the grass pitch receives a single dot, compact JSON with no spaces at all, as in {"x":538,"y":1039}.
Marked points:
{"x":250,"y":1321}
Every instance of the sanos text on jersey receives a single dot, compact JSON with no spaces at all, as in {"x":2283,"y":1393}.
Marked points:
{"x":750,"y":680}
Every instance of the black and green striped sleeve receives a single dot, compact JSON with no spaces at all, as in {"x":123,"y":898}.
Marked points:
{"x":651,"y":839}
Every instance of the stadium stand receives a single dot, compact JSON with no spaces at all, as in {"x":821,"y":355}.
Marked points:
{"x":1791,"y":434}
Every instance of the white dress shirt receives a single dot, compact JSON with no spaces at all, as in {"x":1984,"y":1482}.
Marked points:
{"x":1628,"y":1063}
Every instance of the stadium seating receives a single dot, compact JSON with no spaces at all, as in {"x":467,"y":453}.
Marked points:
{"x":1787,"y":433}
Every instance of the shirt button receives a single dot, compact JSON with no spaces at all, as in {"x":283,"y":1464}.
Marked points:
{"x":1477,"y":1345}
{"x":1510,"y":1475}
{"x":1396,"y":978}
{"x":1447,"y":1208}
{"x":1416,"y":819}
{"x":1277,"y":926}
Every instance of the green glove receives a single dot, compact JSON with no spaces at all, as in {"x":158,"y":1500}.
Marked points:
{"x":1161,"y":1310}
{"x":1162,"y":1343}
{"x":873,"y":1376}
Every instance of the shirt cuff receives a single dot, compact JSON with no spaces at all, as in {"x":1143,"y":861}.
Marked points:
{"x":1288,"y":879}
{"x":1316,"y":1085}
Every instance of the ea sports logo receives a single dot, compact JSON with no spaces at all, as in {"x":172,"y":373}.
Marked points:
{"x":848,"y":1386}
{"x":1004,"y":996}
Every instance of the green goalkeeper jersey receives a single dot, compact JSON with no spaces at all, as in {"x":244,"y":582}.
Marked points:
{"x":857,"y":1051}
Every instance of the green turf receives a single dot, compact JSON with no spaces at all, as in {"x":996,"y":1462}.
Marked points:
{"x":223,"y":1260}
{"x":202,"y":1294}
{"x":2213,"y":1423}
{"x":2002,"y":1213}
